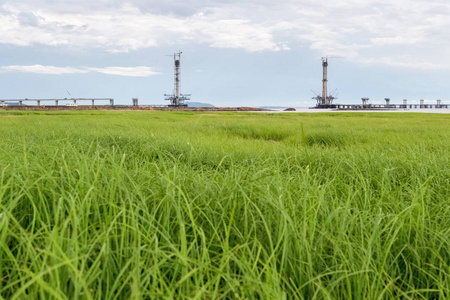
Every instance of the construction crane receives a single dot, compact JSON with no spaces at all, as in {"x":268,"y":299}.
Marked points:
{"x":330,"y":98}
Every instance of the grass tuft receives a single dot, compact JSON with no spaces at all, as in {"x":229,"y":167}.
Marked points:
{"x":149,"y":205}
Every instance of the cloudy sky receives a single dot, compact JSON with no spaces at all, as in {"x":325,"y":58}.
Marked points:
{"x":235,"y":53}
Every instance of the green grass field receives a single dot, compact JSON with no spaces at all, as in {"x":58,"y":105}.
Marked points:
{"x":164,"y":205}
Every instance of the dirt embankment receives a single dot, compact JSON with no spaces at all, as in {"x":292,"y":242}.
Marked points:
{"x":125,"y":108}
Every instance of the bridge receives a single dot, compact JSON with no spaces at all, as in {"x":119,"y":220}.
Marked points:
{"x":70,"y":101}
{"x":366,"y":105}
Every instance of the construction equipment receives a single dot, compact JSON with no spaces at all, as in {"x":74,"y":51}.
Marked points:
{"x":325,"y":100}
{"x":177,"y":99}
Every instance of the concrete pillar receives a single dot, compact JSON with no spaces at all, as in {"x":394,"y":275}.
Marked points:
{"x":365,"y":101}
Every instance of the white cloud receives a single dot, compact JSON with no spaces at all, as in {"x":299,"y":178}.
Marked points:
{"x":39,"y":69}
{"x":126,"y":29}
{"x":119,"y":71}
{"x":406,"y":63}
{"x":234,"y":33}
{"x":382,"y":31}
{"x":126,"y":71}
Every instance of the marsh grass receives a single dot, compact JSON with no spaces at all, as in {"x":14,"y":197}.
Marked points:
{"x":232,"y":206}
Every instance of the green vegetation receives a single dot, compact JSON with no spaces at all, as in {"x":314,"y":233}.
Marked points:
{"x":162,"y":205}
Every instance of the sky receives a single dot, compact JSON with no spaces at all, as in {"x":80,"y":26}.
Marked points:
{"x":235,"y":53}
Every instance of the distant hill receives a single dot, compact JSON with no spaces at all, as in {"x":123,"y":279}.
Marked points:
{"x":199,"y":104}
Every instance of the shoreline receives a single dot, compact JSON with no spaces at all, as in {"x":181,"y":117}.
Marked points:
{"x":130,"y":108}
